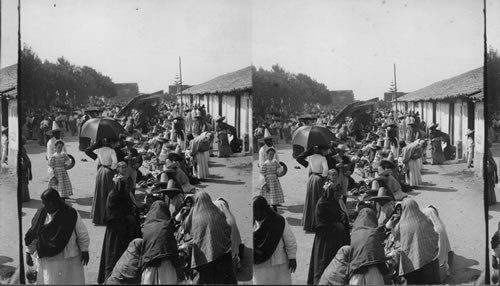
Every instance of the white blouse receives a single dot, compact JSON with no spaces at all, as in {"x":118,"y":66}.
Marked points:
{"x":106,"y":156}
{"x":318,"y":164}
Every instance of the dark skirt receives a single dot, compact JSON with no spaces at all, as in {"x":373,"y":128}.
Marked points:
{"x":325,"y":247}
{"x":103,"y":185}
{"x":437,"y":153}
{"x":219,"y":271}
{"x":429,"y":274}
{"x":25,"y":193}
{"x":492,"y":198}
{"x":116,"y":240}
{"x":314,"y":192}
{"x":224,"y":147}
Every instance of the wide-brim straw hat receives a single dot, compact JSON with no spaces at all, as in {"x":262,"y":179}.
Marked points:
{"x":164,"y":178}
{"x":176,"y":156}
{"x":434,"y":126}
{"x":3,"y":129}
{"x":389,"y":162}
{"x":383,"y":194}
{"x":284,"y":170}
{"x":73,"y":162}
{"x":469,"y":132}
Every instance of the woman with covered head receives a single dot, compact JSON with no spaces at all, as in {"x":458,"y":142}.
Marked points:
{"x":160,"y":260}
{"x":59,"y":241}
{"x":419,"y":246}
{"x":332,"y":232}
{"x":211,"y":242}
{"x":235,"y":232}
{"x":121,"y":227}
{"x":367,"y":265}
{"x":444,"y":243}
{"x":274,"y":245}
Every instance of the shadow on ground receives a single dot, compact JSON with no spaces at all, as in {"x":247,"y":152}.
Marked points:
{"x":294,"y":221}
{"x":461,"y":272}
{"x":224,"y":182}
{"x":436,"y":189}
{"x":84,"y":201}
{"x":296,"y":209}
{"x":216,"y":165}
{"x":32,"y":204}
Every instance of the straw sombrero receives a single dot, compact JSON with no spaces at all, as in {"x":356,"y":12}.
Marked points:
{"x":284,"y":170}
{"x":73,"y":162}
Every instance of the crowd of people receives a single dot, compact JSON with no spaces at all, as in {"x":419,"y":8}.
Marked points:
{"x":176,"y":234}
{"x":381,"y":235}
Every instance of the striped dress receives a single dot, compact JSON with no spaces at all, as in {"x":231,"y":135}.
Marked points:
{"x":271,"y":191}
{"x":60,"y":181}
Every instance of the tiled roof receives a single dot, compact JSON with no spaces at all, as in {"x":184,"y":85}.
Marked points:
{"x":466,"y":84}
{"x":235,"y":81}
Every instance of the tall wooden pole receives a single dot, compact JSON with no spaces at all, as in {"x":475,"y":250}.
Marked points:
{"x":395,"y":90}
{"x":180,"y":83}
{"x":485,"y":172}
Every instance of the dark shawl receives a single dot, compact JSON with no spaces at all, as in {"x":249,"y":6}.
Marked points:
{"x":119,"y":204}
{"x":158,"y":235}
{"x":367,"y":241}
{"x":267,"y":237}
{"x":328,"y":213}
{"x":54,"y":236}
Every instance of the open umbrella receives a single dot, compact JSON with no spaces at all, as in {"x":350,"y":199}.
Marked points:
{"x":99,"y":128}
{"x":308,"y":136}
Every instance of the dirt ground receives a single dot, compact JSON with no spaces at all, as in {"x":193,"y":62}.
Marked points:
{"x":9,"y":225}
{"x":455,"y":191}
{"x":231,"y":179}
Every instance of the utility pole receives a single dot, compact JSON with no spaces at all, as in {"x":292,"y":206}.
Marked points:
{"x":180,"y":83}
{"x":395,"y":90}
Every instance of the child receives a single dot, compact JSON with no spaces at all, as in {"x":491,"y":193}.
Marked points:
{"x":60,"y":179}
{"x":271,"y":190}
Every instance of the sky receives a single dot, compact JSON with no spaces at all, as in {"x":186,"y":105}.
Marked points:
{"x":354,"y":44}
{"x":345,"y":44}
{"x":141,"y":41}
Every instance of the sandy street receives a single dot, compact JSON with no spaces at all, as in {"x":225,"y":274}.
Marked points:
{"x":9,"y":230}
{"x":456,"y":192}
{"x":231,"y":180}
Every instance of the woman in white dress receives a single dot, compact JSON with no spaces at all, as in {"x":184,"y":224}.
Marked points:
{"x":59,"y":242}
{"x":275,"y":246}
